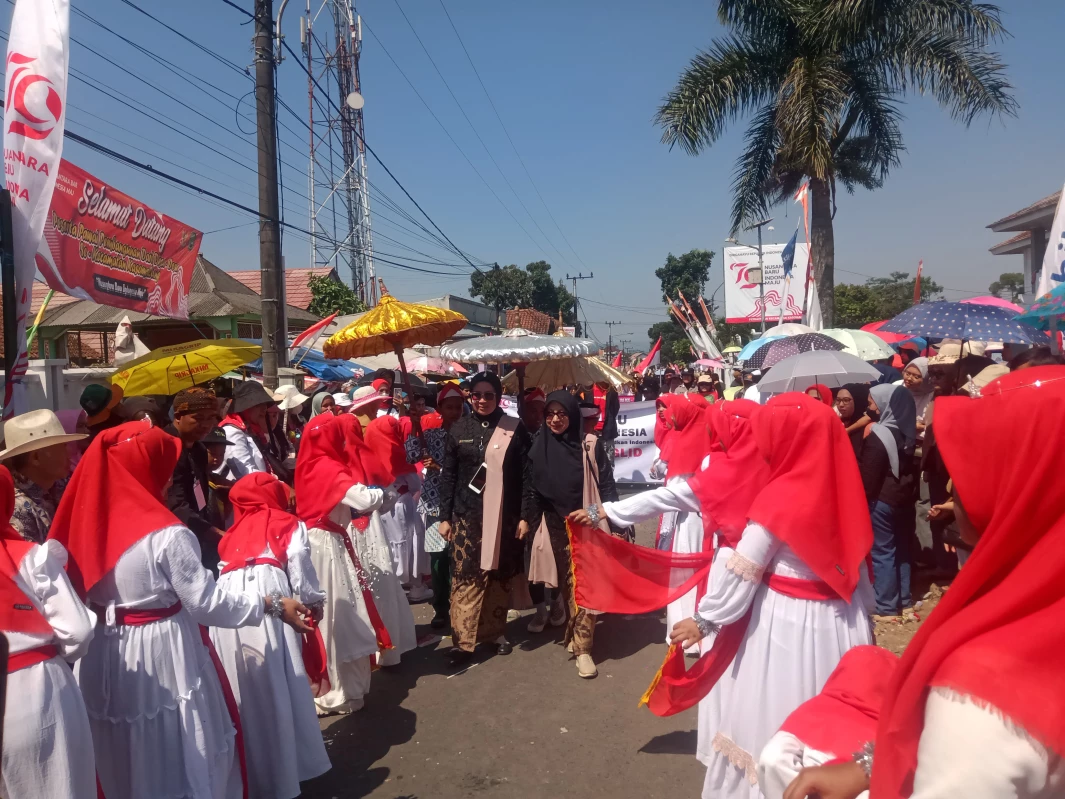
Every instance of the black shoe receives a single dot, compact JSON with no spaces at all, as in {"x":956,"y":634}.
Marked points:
{"x":458,"y":657}
{"x":504,"y":648}
{"x":439,"y":622}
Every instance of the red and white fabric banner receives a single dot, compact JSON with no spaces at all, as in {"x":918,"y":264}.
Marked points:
{"x":105,"y":246}
{"x":38,"y":52}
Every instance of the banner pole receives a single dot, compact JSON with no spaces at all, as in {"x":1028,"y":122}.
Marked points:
{"x":32,"y":334}
{"x":7,"y":272}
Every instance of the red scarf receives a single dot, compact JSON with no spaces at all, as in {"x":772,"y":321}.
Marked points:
{"x":18,"y":614}
{"x":737,"y":470}
{"x":260,"y":519}
{"x":824,"y":391}
{"x":385,"y":437}
{"x":688,"y":441}
{"x":996,"y":635}
{"x":115,"y":498}
{"x":813,"y":500}
{"x":843,"y":717}
{"x":663,"y":428}
{"x":322,"y":473}
{"x":362,"y":462}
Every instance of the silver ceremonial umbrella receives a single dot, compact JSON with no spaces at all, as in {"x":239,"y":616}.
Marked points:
{"x":828,"y":367}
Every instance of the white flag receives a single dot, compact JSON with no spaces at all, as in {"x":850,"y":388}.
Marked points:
{"x":1053,"y":273}
{"x":38,"y":52}
{"x":813,"y":306}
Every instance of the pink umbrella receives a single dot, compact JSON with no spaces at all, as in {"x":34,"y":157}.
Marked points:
{"x":710,"y":363}
{"x":436,"y":366}
{"x":998,"y":302}
{"x":889,"y":338}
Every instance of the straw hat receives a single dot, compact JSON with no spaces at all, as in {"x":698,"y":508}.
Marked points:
{"x":952,"y":350}
{"x":34,"y":430}
{"x":289,"y":397}
{"x":976,"y":384}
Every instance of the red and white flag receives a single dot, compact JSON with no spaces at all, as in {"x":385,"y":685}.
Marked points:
{"x":917,"y":283}
{"x":38,"y":53}
{"x":617,"y":360}
{"x":652,"y":357}
{"x":313,"y":331}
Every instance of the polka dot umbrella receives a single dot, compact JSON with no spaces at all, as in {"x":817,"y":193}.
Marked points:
{"x":964,"y":321}
{"x":776,"y":351}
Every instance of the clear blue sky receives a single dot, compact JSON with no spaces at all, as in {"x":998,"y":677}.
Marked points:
{"x":576,"y":84}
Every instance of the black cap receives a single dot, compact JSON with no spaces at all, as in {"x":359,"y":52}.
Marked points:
{"x":216,"y":436}
{"x":248,"y":394}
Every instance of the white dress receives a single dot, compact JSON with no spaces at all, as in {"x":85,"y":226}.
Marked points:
{"x":788,"y":653}
{"x":680,"y":511}
{"x":404,"y":530}
{"x":242,"y":456}
{"x":46,"y":730}
{"x":265,"y":669}
{"x":965,"y":749}
{"x":348,"y":634}
{"x":159,"y":720}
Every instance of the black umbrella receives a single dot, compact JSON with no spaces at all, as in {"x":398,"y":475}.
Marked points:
{"x":776,"y":351}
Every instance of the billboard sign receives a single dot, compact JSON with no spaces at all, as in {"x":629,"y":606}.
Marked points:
{"x":742,"y":303}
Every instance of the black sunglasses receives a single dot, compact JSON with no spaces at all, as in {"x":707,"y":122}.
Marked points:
{"x":483,"y":395}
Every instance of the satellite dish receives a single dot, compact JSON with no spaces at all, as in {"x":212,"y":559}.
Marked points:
{"x":356,"y":101}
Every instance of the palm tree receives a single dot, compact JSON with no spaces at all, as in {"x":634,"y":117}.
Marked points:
{"x":822,"y":81}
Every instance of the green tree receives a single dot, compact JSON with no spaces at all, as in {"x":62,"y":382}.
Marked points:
{"x":331,"y":296}
{"x":548,"y":296}
{"x":675,"y":344}
{"x":822,"y":83}
{"x":729,"y":334}
{"x":1010,"y":283}
{"x":502,"y":287}
{"x":688,"y":273}
{"x":880,"y":298}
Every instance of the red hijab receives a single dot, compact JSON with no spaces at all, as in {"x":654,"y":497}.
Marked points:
{"x":323,"y":476}
{"x":115,"y":498}
{"x":813,"y":501}
{"x":260,"y":519}
{"x":737,"y":470}
{"x":824,"y":392}
{"x":688,"y":439}
{"x":996,"y":635}
{"x":385,"y":437}
{"x":18,"y":614}
{"x":663,"y":428}
{"x":362,"y":461}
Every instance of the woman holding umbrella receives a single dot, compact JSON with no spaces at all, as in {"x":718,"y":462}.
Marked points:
{"x":485,"y":490}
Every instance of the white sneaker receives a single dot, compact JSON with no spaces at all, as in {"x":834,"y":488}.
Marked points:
{"x":538,"y":621}
{"x":558,"y":614}
{"x":419,"y":592}
{"x":586,"y":667}
{"x":512,"y":615}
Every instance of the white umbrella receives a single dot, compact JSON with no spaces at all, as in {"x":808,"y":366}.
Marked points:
{"x":517,"y":345}
{"x":867,"y":346}
{"x":828,"y":367}
{"x":788,"y":329}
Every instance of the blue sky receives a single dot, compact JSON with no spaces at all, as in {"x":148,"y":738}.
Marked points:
{"x":576,"y":84}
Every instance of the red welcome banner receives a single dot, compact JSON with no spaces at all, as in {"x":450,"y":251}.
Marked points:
{"x":102,"y":245}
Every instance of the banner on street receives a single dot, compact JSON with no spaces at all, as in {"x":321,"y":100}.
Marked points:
{"x":105,"y":246}
{"x":634,"y":448}
{"x":35,"y":97}
{"x":742,"y":303}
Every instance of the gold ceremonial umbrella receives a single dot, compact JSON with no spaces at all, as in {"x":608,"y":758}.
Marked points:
{"x":167,"y":370}
{"x":584,"y":370}
{"x":391,"y":327}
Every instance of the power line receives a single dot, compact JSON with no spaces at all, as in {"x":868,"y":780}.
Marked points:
{"x":507,"y":132}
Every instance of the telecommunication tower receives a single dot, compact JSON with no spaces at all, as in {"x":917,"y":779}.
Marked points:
{"x":331,"y":36}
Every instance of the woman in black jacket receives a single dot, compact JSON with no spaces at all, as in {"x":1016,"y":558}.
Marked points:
{"x":484,"y":485}
{"x":558,"y":459}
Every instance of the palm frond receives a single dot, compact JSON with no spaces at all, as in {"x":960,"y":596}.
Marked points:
{"x":760,"y":20}
{"x":752,"y":183}
{"x":856,"y":164}
{"x":876,"y":119}
{"x":733,"y":78}
{"x":851,"y":20}
{"x":812,"y":98}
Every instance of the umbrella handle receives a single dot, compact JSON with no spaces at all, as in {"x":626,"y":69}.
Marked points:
{"x":520,"y":369}
{"x":415,"y":421}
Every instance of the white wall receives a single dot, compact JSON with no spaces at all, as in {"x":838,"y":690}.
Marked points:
{"x":51,"y":384}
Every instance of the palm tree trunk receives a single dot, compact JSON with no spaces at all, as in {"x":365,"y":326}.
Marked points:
{"x":824,"y":248}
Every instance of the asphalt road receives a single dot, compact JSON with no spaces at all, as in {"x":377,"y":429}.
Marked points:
{"x":524,"y":725}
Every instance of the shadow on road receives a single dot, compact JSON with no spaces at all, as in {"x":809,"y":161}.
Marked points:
{"x":678,"y":742}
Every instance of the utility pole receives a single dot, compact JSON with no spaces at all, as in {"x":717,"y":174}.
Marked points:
{"x":275,"y":329}
{"x":610,"y":334}
{"x":761,"y":273}
{"x":578,"y":276}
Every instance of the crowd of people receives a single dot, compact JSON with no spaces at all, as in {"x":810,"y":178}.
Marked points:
{"x":223,"y":566}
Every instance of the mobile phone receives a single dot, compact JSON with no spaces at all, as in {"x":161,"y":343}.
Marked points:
{"x":397,"y":393}
{"x":480,"y":479}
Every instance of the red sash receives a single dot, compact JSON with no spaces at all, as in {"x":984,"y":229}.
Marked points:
{"x":31,"y":657}
{"x":232,"y":567}
{"x":384,"y":640}
{"x":137,"y":618}
{"x":674,"y":689}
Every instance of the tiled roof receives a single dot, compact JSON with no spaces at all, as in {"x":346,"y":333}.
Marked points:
{"x":297,"y":283}
{"x":1047,"y":202}
{"x":1005,"y":247}
{"x":532,"y":320}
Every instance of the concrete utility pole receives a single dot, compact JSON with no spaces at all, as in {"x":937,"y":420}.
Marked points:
{"x":575,"y":278}
{"x":761,"y":273}
{"x":610,"y":334}
{"x":275,"y":328}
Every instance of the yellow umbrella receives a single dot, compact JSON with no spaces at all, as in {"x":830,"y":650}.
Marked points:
{"x":391,"y":327}
{"x":732,"y":348}
{"x":559,"y":372}
{"x":167,"y":370}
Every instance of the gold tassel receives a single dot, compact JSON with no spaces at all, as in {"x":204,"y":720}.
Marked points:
{"x":646,"y":698}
